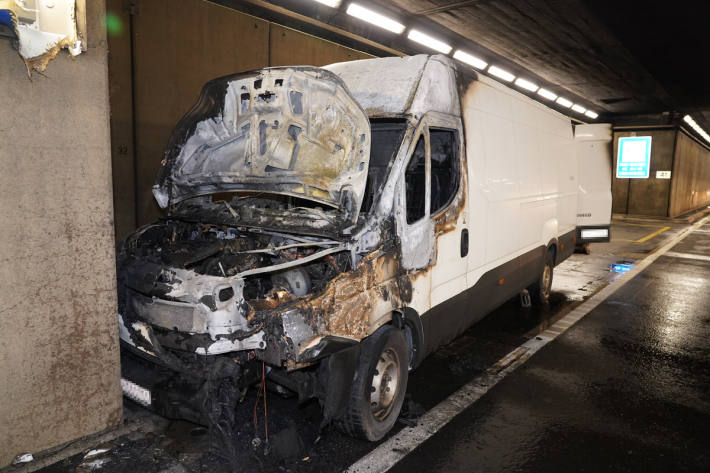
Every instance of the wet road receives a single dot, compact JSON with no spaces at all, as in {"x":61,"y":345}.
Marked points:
{"x":626,"y":389}
{"x":523,"y":423}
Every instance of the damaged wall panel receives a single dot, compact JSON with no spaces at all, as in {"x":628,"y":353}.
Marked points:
{"x":59,"y":361}
{"x":42,"y":28}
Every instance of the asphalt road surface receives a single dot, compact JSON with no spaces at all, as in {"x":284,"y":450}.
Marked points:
{"x":624,"y":389}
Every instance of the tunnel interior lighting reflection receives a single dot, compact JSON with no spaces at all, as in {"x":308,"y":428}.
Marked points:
{"x":374,"y":18}
{"x":471,"y":60}
{"x":622,"y":266}
{"x":501,"y":73}
{"x":330,"y":3}
{"x":428,"y":41}
{"x":526,"y":84}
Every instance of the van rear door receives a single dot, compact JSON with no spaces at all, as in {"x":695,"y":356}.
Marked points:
{"x":593,"y":144}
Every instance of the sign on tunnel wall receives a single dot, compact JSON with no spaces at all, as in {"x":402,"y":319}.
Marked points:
{"x":634,"y":157}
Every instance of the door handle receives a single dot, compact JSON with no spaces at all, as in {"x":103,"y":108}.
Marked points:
{"x":464,"y":242}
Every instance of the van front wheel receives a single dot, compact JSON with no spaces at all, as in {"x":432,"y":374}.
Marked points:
{"x":379,"y":386}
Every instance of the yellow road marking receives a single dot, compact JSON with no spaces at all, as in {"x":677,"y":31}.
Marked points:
{"x":656,"y":233}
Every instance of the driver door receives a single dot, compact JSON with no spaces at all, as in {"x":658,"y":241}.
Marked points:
{"x":414,"y":225}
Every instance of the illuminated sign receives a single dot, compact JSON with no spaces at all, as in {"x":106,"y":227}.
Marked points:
{"x":634,"y":157}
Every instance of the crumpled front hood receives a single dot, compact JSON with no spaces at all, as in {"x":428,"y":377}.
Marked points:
{"x":286,"y":130}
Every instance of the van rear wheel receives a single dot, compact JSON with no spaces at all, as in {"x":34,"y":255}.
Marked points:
{"x":379,"y":386}
{"x":540,"y":289}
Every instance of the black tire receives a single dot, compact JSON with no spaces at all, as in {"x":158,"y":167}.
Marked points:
{"x":364,"y":418}
{"x":540,"y":289}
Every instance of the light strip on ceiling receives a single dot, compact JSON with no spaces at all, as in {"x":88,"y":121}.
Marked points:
{"x":578,"y":108}
{"x":547,"y":94}
{"x":564,"y":102}
{"x":428,"y":41}
{"x":501,"y":73}
{"x":698,"y":129}
{"x":471,"y":60}
{"x":330,"y":3}
{"x":592,"y":115}
{"x":526,"y":84}
{"x":374,"y":18}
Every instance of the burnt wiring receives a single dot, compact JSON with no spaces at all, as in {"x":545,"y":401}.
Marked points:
{"x":261,"y":393}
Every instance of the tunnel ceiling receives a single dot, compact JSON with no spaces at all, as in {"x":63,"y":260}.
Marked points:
{"x":617,"y":58}
{"x":626,"y":57}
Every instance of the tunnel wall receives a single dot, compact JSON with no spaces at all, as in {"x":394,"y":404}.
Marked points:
{"x":645,"y":196}
{"x":691,"y":181}
{"x":688,"y":188}
{"x":176,"y":48}
{"x":59,"y":362}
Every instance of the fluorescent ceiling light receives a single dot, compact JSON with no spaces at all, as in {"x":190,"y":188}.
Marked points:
{"x":429,"y":42}
{"x":375,"y":18}
{"x":578,"y":108}
{"x":547,"y":94}
{"x":501,"y":73}
{"x":698,"y":129}
{"x":592,"y":115}
{"x":526,"y":84}
{"x":330,"y":3}
{"x":564,"y":102}
{"x":470,"y":60}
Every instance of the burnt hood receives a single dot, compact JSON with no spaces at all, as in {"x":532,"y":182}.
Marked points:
{"x":285,"y":130}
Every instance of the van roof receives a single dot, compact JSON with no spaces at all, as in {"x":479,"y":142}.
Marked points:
{"x":401,"y":85}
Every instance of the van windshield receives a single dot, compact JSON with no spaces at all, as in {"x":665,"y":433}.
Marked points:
{"x":386,"y":137}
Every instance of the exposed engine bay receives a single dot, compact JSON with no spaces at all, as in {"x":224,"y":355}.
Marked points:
{"x":214,"y":283}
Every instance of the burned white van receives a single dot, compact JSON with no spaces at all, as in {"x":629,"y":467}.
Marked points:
{"x":338,"y":224}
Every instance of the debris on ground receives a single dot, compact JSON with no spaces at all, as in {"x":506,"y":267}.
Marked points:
{"x":23,"y":458}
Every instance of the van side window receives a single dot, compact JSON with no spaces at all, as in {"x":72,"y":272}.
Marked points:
{"x":444,"y":168}
{"x":387,"y":135}
{"x":415,"y":181}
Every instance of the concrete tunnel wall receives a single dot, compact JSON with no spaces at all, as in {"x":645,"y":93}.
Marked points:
{"x":688,"y":188}
{"x":691,"y":185}
{"x":59,"y":362}
{"x":170,"y":64}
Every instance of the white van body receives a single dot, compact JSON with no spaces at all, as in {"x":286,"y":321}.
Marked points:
{"x":594,"y":156}
{"x":376,"y":210}
{"x":517,"y":199}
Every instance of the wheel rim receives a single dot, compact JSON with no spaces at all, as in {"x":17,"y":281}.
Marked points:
{"x":385,"y":382}
{"x":546,"y":281}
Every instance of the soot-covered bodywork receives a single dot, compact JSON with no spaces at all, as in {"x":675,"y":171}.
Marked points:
{"x":278,"y":247}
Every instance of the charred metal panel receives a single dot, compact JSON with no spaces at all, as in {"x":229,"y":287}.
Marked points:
{"x":401,"y":74}
{"x":293,"y":131}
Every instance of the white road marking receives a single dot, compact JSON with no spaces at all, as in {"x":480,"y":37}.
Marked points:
{"x":389,"y":452}
{"x":688,"y":256}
